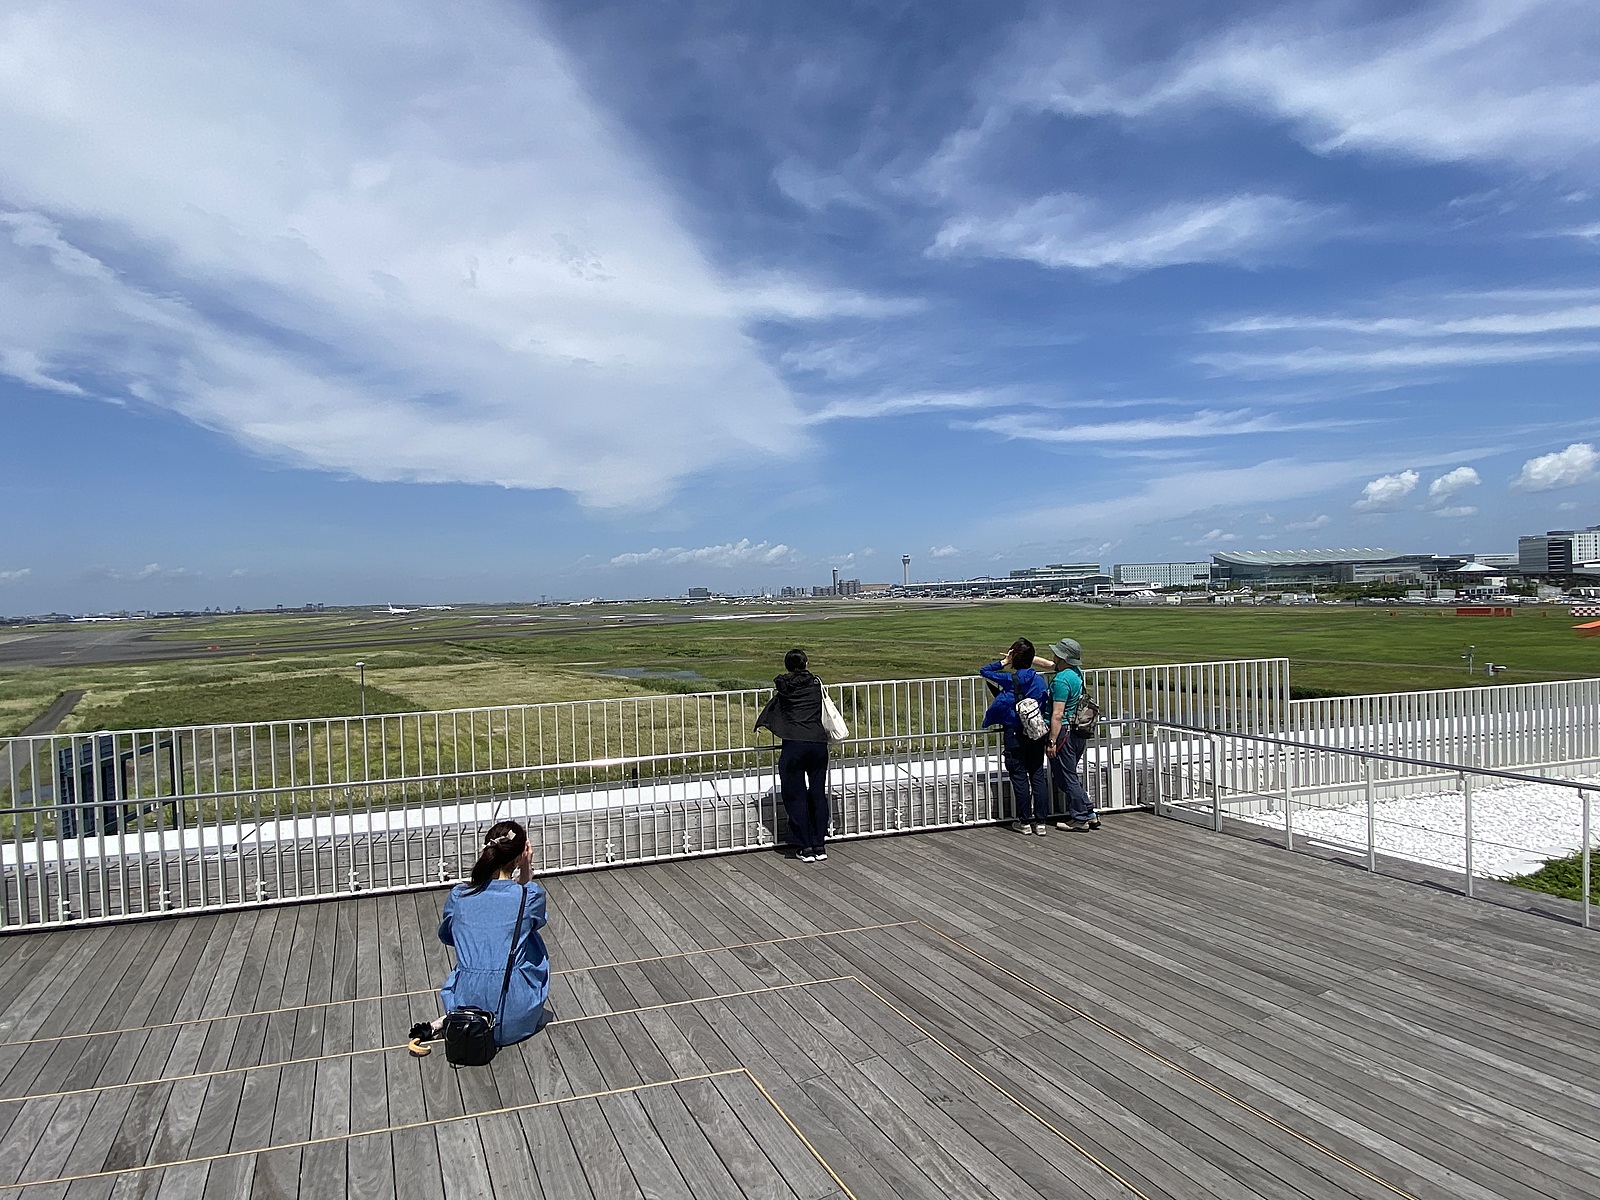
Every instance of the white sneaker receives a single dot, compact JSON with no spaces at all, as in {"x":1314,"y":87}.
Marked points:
{"x":1019,"y":827}
{"x":806,"y":856}
{"x":820,"y":855}
{"x":1040,"y":829}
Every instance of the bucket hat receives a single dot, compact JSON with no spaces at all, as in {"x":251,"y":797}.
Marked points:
{"x":1067,"y":651}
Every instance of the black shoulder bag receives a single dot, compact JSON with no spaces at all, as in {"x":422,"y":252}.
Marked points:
{"x":469,"y":1032}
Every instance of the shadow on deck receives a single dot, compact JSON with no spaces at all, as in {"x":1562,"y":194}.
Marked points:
{"x":1151,"y":1010}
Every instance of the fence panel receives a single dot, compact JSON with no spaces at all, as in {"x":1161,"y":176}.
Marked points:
{"x":132,"y":822}
{"x":1548,"y":728}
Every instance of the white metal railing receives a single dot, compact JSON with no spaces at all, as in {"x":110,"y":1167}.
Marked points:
{"x":131,"y":822}
{"x":1482,"y":822}
{"x":1550,"y":727}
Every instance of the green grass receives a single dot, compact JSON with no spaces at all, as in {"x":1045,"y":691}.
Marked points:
{"x":1563,"y":877}
{"x":293,"y":698}
{"x":1332,"y":651}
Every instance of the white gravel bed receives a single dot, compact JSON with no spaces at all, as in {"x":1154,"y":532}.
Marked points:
{"x":1515,"y":828}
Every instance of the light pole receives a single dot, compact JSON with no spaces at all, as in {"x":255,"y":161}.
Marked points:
{"x":363,"y":667}
{"x":1468,"y":657}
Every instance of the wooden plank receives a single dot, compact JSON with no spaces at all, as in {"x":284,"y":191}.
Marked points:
{"x":369,"y":1163}
{"x":649,"y":1162}
{"x":769,"y":1128}
{"x":555,"y":1159}
{"x":605,"y":1166}
{"x":506,"y":1151}
{"x":693,"y":1156}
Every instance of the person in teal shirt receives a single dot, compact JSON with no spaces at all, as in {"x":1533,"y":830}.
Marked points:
{"x":1065,"y":748}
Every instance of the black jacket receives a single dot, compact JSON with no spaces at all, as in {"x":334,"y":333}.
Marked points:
{"x":794,"y":714}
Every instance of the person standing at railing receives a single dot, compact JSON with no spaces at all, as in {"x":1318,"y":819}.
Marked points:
{"x":493,"y":915}
{"x":794,"y":716}
{"x":1064,"y":747}
{"x":1024,"y":756}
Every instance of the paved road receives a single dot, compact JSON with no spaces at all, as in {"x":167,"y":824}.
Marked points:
{"x":54,"y":715}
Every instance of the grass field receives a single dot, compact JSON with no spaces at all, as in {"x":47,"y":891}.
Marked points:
{"x":562,"y":656}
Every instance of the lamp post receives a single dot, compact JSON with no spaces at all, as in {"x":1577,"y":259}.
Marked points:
{"x":1468,"y":657}
{"x":363,"y":667}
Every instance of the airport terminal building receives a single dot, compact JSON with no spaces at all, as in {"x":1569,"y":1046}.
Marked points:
{"x":1274,"y":568}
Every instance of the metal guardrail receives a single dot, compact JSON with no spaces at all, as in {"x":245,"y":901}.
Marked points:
{"x":124,"y":823}
{"x":1517,"y":725}
{"x":1206,"y":775}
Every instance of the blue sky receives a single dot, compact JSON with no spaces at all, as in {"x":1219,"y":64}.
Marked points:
{"x":355,"y":302}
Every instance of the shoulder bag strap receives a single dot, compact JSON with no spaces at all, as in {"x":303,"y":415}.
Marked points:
{"x":511,"y":955}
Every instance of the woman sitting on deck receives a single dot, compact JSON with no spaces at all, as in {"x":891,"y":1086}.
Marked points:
{"x":478,"y":921}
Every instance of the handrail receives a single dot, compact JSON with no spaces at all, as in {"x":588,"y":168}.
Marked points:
{"x":1454,"y":768}
{"x":1286,"y":789}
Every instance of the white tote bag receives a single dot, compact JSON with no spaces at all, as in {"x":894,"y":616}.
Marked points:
{"x":833,"y":720}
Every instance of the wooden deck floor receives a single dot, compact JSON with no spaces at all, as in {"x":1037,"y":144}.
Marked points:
{"x":1151,"y":1010}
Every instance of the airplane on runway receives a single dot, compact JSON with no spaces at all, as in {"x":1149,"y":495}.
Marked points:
{"x":392,"y":611}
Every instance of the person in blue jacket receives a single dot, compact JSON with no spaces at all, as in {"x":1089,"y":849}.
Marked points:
{"x":1024,"y":757}
{"x":1064,"y":747}
{"x":478,"y":920}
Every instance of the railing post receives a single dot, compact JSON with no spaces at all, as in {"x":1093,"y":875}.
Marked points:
{"x":1216,"y":783}
{"x":1466,"y":794}
{"x":1584,"y":796}
{"x":1372,"y":823}
{"x":1158,"y":747}
{"x":1288,"y":798}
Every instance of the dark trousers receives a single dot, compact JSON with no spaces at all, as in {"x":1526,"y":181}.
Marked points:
{"x":1064,"y":770}
{"x":803,"y":773}
{"x":1030,"y":783}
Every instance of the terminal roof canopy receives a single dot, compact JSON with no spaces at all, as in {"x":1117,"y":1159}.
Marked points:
{"x":1294,"y":558}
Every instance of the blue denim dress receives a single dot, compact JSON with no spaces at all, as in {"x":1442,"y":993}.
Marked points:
{"x":479,"y":925}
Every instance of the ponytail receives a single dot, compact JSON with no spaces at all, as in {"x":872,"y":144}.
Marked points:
{"x":502,"y":846}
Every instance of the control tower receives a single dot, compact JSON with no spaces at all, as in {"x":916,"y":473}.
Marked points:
{"x":905,"y":567}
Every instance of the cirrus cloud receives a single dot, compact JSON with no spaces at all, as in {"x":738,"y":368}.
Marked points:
{"x":728,"y":554}
{"x":405,"y":246}
{"x":1068,"y":230}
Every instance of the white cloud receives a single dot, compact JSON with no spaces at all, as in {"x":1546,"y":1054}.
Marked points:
{"x":1386,"y":490}
{"x":1068,"y":230}
{"x":1477,"y":81}
{"x":1316,"y":522}
{"x":1177,"y":494}
{"x":1564,"y":468}
{"x":942,"y":551}
{"x":150,"y":572}
{"x":1437,"y":331}
{"x":1214,"y":538}
{"x":14,"y":575}
{"x":728,"y":554}
{"x":1451,"y":482}
{"x":901,"y":404}
{"x":1406,"y":356}
{"x":405,"y":246}
{"x":1562,"y":319}
{"x":1463,"y":510}
{"x":1203,"y":424}
{"x":784,"y":298}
